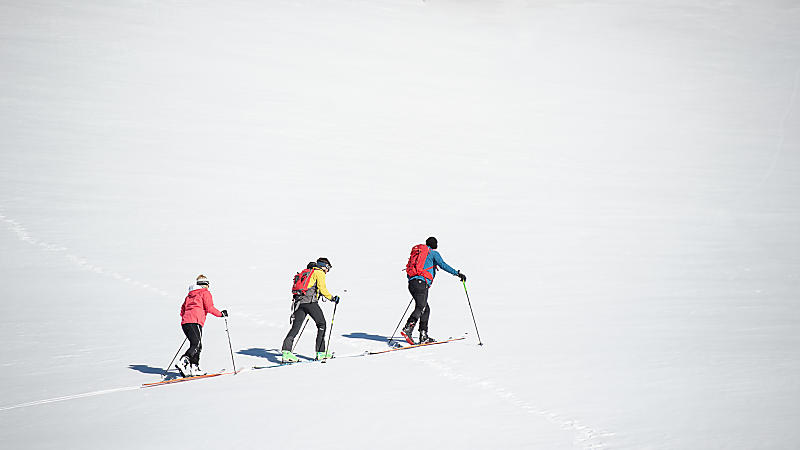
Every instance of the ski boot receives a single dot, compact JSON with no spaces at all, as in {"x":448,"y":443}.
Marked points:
{"x":288,"y":357}
{"x":324,"y":355}
{"x":184,"y":367}
{"x":407,"y":331}
{"x":197,"y":371}
{"x":424,"y":338}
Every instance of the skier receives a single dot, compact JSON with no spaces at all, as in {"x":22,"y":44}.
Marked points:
{"x":197,"y":304}
{"x":420,"y":270}
{"x":305,"y":302}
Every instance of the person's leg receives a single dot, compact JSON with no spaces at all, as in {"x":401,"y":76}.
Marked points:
{"x":299,"y":316}
{"x":193,"y":332}
{"x":426,"y":314}
{"x":423,"y":318}
{"x":319,"y":319}
{"x":419,"y":291}
{"x":199,"y":345}
{"x":423,"y":325}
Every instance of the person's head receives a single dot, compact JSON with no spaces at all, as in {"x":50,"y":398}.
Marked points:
{"x":202,"y":281}
{"x":431,"y":242}
{"x":324,"y":264}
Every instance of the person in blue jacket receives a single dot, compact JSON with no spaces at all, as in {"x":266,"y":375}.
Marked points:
{"x":418,"y":285}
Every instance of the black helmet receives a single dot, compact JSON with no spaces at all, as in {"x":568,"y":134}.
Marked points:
{"x":324,"y":263}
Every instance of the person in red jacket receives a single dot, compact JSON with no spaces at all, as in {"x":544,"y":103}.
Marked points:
{"x":198,"y":303}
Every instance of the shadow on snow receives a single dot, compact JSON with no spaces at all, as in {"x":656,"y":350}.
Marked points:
{"x":370,"y":337}
{"x":146,"y":369}
{"x":272,"y":355}
{"x":153,"y":371}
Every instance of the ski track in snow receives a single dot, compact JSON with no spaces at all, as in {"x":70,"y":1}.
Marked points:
{"x":782,"y":131}
{"x":23,"y":235}
{"x":587,"y":437}
{"x":69,"y":397}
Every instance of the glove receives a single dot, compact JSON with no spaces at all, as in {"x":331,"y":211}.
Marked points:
{"x":224,"y":313}
{"x":462,"y":276}
{"x":335,"y":299}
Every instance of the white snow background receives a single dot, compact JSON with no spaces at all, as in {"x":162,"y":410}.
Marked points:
{"x":619,"y":180}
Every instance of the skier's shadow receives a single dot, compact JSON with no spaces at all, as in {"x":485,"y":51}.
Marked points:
{"x":146,"y":369}
{"x":271,"y":355}
{"x":370,"y":337}
{"x":153,"y":371}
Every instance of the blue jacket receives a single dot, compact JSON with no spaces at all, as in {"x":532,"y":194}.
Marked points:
{"x":433,"y":261}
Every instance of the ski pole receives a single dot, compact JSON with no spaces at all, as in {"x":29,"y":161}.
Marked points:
{"x":401,"y":320}
{"x":328,"y":347}
{"x":473,"y":314}
{"x":300,"y":335}
{"x":173,"y":358}
{"x":230,"y":346}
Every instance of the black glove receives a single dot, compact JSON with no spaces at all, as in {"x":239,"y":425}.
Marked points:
{"x":224,"y":313}
{"x":335,"y":299}
{"x":462,"y":276}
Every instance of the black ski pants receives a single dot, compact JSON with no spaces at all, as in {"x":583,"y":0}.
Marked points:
{"x":422,"y":311}
{"x":193,"y":332}
{"x":299,"y":315}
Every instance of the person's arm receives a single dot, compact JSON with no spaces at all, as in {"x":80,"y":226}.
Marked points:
{"x":208,"y":304}
{"x":437,"y":259}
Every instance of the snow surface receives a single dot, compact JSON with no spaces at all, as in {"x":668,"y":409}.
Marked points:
{"x":618,"y":179}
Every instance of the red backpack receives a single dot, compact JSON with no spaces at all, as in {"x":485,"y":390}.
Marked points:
{"x":416,"y":262}
{"x":301,"y":280}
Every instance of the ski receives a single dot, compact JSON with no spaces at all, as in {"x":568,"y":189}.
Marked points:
{"x":406,"y":347}
{"x":181,"y":380}
{"x":309,"y":360}
{"x":303,"y":361}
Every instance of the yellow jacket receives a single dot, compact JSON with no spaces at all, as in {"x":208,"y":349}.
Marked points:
{"x":318,"y":280}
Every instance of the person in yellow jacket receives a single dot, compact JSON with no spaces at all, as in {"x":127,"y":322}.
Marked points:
{"x":307,"y":303}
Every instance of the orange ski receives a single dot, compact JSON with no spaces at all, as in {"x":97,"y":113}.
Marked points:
{"x":416,"y":345}
{"x":181,"y":380}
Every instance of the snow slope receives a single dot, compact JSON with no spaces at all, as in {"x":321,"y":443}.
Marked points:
{"x":619,"y":181}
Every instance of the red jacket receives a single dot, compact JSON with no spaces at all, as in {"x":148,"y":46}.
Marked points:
{"x":197,"y":304}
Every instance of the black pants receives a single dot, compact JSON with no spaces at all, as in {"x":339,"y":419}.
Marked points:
{"x":194,"y":332}
{"x":315,"y":312}
{"x":422,"y":311}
